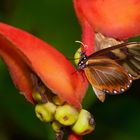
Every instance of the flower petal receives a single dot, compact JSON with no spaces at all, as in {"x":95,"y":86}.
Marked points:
{"x":51,"y":66}
{"x":19,"y":71}
{"x":122,"y":23}
{"x":73,"y":136}
{"x":87,"y":29}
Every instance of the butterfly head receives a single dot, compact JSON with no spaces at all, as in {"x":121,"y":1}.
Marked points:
{"x":80,"y":56}
{"x":82,"y":60}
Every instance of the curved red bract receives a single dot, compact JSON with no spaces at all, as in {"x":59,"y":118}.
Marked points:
{"x":73,"y":136}
{"x":87,"y":29}
{"x":115,"y":18}
{"x":24,"y":53}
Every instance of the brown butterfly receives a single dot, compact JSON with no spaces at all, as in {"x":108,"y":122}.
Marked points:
{"x":112,"y":70}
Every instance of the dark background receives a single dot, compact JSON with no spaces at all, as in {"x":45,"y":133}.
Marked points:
{"x":55,"y":22}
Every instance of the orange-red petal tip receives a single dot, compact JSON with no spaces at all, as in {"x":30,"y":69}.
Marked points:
{"x":24,"y":53}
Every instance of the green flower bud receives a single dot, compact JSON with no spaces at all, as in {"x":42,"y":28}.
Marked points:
{"x":45,"y":112}
{"x":39,"y":96}
{"x":57,"y":100}
{"x":36,"y":96}
{"x":85,"y":123}
{"x":57,"y":127}
{"x":66,"y":114}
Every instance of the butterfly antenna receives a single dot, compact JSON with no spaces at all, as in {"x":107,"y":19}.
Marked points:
{"x":84,"y":45}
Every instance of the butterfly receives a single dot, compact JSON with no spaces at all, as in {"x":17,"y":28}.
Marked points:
{"x":112,"y":70}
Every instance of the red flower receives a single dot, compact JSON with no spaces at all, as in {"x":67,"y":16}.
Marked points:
{"x":73,"y":136}
{"x":115,"y":18}
{"x":25,"y":54}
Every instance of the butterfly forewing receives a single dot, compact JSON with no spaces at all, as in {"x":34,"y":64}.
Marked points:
{"x":106,"y":75}
{"x":132,"y":60}
{"x":126,"y":55}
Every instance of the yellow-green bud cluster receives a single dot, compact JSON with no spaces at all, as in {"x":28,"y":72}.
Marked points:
{"x":62,"y":115}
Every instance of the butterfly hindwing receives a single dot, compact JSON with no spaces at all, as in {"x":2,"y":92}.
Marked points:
{"x":107,"y":76}
{"x":100,"y":94}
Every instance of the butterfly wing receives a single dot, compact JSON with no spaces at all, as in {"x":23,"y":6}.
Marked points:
{"x":107,"y":76}
{"x":129,"y":58}
{"x":100,"y":94}
{"x":126,"y":55}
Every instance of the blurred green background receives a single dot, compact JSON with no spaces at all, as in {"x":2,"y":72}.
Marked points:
{"x":55,"y":22}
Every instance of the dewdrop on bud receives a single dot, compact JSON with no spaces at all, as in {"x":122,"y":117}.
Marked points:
{"x":57,"y":100}
{"x":66,"y":114}
{"x":85,"y":123}
{"x":57,"y":127}
{"x":45,"y":112}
